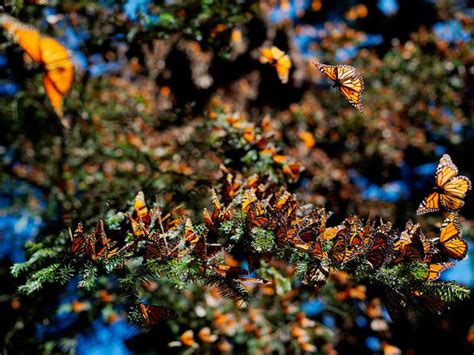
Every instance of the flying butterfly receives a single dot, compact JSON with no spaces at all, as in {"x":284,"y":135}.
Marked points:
{"x":54,"y":58}
{"x":348,"y":80}
{"x":153,"y":315}
{"x":450,"y":238}
{"x":277,"y":58}
{"x":449,"y":190}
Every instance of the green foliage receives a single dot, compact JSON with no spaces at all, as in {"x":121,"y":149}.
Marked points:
{"x":262,"y":240}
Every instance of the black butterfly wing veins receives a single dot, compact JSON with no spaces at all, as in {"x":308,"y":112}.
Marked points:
{"x":351,"y":85}
{"x":449,"y":191}
{"x":348,"y":79}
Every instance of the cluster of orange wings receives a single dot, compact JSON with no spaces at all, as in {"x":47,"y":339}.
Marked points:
{"x":95,"y":245}
{"x":267,"y":206}
{"x":54,"y":58}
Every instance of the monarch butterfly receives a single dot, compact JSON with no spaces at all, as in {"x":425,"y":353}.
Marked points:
{"x":337,"y":253}
{"x":159,"y":246}
{"x":317,"y":251}
{"x":357,"y":239}
{"x":98,"y":245}
{"x":54,"y":58}
{"x":282,"y":200}
{"x":77,"y":240}
{"x":152,"y":315}
{"x":450,"y":189}
{"x":248,"y":200}
{"x":381,"y":251}
{"x":348,"y":80}
{"x":284,"y":232}
{"x":434,"y":270}
{"x":450,"y":238}
{"x":141,"y":210}
{"x":278,"y":59}
{"x":412,"y":244}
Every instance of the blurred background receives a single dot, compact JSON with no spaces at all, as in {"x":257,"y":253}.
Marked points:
{"x":166,"y":92}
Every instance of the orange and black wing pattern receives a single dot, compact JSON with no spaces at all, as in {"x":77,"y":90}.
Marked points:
{"x":450,"y":238}
{"x":449,"y":191}
{"x":78,"y":240}
{"x":348,"y":79}
{"x":434,"y":270}
{"x":58,"y":69}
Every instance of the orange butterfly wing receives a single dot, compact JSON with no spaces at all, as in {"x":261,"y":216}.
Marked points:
{"x":278,"y":59}
{"x":457,"y":186}
{"x":55,"y":58}
{"x":27,"y":37}
{"x":59,"y":74}
{"x":429,"y":204}
{"x":450,"y":238}
{"x":329,"y":70}
{"x":445,"y":170}
{"x":452,"y":189}
{"x":434,"y":270}
{"x":283,"y":66}
{"x":351,"y":85}
{"x":349,"y":80}
{"x":353,"y":96}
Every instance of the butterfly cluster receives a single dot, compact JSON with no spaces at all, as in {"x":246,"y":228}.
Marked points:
{"x":261,"y":217}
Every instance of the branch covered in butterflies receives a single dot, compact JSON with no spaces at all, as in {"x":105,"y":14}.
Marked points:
{"x":256,"y":220}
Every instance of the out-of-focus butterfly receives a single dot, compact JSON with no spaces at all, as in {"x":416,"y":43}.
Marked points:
{"x":435,"y":269}
{"x":348,"y":80}
{"x":316,"y":276}
{"x":356,"y":12}
{"x":235,"y":273}
{"x":142,"y":216}
{"x":450,"y":238}
{"x":276,"y":57}
{"x":390,"y":349}
{"x":152,"y":315}
{"x":54,"y":58}
{"x":141,"y":210}
{"x":449,"y":190}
